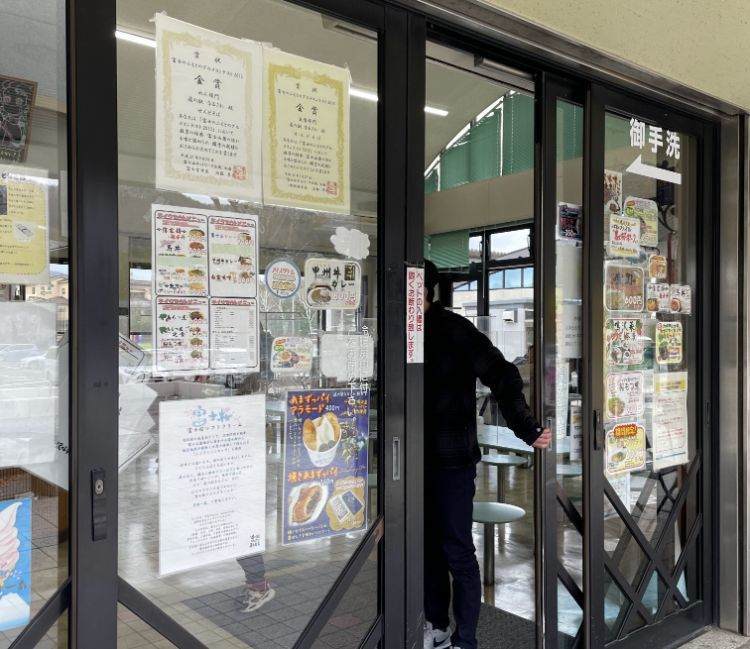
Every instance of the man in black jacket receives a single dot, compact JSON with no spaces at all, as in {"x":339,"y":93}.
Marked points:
{"x":456,"y":355}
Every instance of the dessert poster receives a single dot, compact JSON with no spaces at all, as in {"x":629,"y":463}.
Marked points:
{"x":15,"y":563}
{"x":212,"y":480}
{"x":325,"y":463}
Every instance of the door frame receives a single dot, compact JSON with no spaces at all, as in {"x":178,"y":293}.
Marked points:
{"x":680,"y":626}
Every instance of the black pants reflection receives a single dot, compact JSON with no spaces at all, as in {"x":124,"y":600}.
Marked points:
{"x":449,"y":549}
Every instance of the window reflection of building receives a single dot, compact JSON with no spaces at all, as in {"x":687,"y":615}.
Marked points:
{"x":56,"y":292}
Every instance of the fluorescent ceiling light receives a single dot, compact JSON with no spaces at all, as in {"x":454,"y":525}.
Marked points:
{"x":369,"y":95}
{"x":134,"y":38}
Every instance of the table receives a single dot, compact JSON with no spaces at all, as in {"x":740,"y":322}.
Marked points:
{"x":503,"y":439}
{"x":502,"y":462}
{"x":491,"y":514}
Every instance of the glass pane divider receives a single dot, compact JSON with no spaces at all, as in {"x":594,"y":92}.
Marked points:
{"x":42,"y":622}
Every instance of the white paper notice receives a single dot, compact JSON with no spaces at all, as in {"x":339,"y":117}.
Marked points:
{"x":306,"y":133}
{"x":624,"y":236}
{"x":347,"y":357}
{"x":562,"y":387}
{"x":233,"y":255}
{"x":181,"y":334}
{"x":234,"y":334}
{"x":571,"y":330}
{"x":670,"y":420}
{"x":576,"y":430}
{"x":212,"y":481}
{"x":29,"y":383}
{"x":414,"y":315}
{"x":208,"y":111}
{"x":180,"y":251}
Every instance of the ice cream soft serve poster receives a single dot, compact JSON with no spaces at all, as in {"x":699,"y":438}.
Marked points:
{"x":15,"y":563}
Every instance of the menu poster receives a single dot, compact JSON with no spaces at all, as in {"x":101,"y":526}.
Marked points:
{"x":325,"y":490}
{"x":625,"y":395}
{"x":681,"y":299}
{"x":612,"y":192}
{"x":15,"y":564}
{"x":234,"y":334}
{"x":291,"y":355}
{"x":623,"y":287}
{"x":181,"y":334}
{"x":624,"y":236}
{"x":669,"y":343}
{"x":658,"y":298}
{"x":208,"y":111}
{"x":212,"y":480}
{"x":180,"y":251}
{"x":283,"y":278}
{"x":562,"y":386}
{"x":657,"y":267}
{"x":569,"y":224}
{"x":347,"y":357}
{"x":623,"y":341}
{"x":24,"y":228}
{"x":332,"y":283}
{"x":624,"y":448}
{"x":306,"y":133}
{"x":670,"y":420}
{"x":233,"y":255}
{"x":646,"y":211}
{"x":17,"y":97}
{"x":576,"y":430}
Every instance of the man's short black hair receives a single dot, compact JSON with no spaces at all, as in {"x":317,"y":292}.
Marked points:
{"x":431,"y":278}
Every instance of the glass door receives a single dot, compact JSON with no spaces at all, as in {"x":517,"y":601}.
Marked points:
{"x":647,"y":456}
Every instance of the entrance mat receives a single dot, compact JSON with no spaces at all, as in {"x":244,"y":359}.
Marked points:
{"x":278,"y":624}
{"x":499,"y":629}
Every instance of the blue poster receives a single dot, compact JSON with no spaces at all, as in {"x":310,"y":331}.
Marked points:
{"x":325,"y":463}
{"x":15,"y":563}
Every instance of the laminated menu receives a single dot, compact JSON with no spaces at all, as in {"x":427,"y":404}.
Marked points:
{"x":669,"y":343}
{"x":624,"y":395}
{"x":681,"y":299}
{"x":332,"y":283}
{"x":625,"y":448}
{"x":658,"y":297}
{"x":657,"y":267}
{"x":623,"y":341}
{"x":291,"y":355}
{"x":181,"y":334}
{"x":624,"y":236}
{"x":612,"y":192}
{"x":647,"y":213}
{"x":233,"y":255}
{"x":180,"y":252}
{"x":234,"y":333}
{"x":569,"y":221}
{"x":623,"y":287}
{"x":325,"y":488}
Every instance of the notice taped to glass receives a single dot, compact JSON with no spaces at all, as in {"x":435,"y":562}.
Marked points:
{"x":17,"y":97}
{"x":306,"y":133}
{"x":233,"y":255}
{"x":233,"y":333}
{"x":208,"y":111}
{"x":212,"y":480}
{"x":24,"y":228}
{"x":414,"y":315}
{"x":332,"y":283}
{"x":669,"y":343}
{"x":646,"y":211}
{"x":623,"y":287}
{"x":181,"y":338}
{"x":180,"y":252}
{"x":670,"y":420}
{"x":325,"y":463}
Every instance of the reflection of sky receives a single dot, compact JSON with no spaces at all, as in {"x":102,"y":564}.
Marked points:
{"x":143,"y":274}
{"x":58,"y":269}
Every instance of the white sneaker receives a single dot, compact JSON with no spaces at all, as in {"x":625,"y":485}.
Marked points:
{"x":254,"y":599}
{"x":441,"y":639}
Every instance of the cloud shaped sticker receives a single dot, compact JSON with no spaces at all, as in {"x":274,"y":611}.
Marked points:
{"x":351,"y":243}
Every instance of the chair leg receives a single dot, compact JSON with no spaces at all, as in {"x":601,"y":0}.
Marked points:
{"x":489,"y":554}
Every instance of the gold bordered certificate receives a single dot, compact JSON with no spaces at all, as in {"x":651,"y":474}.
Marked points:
{"x":208,"y":111}
{"x":306,"y":133}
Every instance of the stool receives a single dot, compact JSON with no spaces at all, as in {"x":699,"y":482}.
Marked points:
{"x":491,"y":514}
{"x":502,"y":462}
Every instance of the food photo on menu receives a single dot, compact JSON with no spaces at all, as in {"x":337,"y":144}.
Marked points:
{"x":325,"y":463}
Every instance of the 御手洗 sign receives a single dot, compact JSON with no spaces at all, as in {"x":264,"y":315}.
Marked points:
{"x":212,"y":480}
{"x":623,"y":341}
{"x":17,"y":97}
{"x":24,"y":228}
{"x":208,"y":111}
{"x":625,"y":448}
{"x":655,"y":139}
{"x":414,"y":314}
{"x":15,"y":563}
{"x":283,"y":278}
{"x":624,"y":395}
{"x":325,"y":463}
{"x":306,"y":133}
{"x":669,"y":343}
{"x":646,"y":211}
{"x":623,"y":287}
{"x":624,"y":236}
{"x":332,"y":283}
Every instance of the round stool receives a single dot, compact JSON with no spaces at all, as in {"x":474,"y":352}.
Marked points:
{"x":502,"y":462}
{"x":491,"y":514}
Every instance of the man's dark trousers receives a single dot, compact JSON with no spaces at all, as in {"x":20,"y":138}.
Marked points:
{"x":449,"y":548}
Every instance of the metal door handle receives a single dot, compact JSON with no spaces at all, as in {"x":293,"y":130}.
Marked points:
{"x":598,"y":431}
{"x":396,"y":458}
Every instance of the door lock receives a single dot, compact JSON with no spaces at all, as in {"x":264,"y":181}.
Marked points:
{"x":98,"y":505}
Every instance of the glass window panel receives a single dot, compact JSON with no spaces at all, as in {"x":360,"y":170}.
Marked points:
{"x":496,"y":279}
{"x":510,"y":244}
{"x":34,"y":314}
{"x":513,"y":278}
{"x":248,"y":439}
{"x":528,"y":277}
